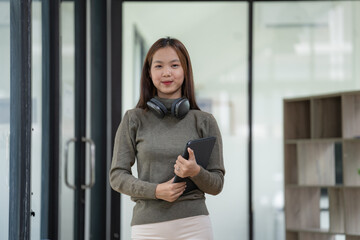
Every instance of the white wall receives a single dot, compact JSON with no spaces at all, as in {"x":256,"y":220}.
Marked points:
{"x":300,"y":48}
{"x":215,"y":36}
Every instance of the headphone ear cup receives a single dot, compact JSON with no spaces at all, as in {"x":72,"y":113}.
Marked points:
{"x":180,"y":108}
{"x":157,"y":107}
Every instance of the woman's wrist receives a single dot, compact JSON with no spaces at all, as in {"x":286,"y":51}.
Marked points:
{"x":196,"y":172}
{"x":157,"y":191}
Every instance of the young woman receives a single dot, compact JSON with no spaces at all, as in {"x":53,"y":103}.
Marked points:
{"x":154,"y":133}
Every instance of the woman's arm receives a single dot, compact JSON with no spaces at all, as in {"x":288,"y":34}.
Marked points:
{"x":211,"y":179}
{"x":121,"y":178}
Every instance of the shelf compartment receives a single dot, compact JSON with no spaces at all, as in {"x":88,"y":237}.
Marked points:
{"x":291,"y":165}
{"x":352,"y":211}
{"x":292,"y":235}
{"x":315,"y":236}
{"x":351,"y":162}
{"x":303,"y":208}
{"x":316,"y":163}
{"x":297,"y":119}
{"x":351,"y":115}
{"x":352,"y":237}
{"x":326,"y":117}
{"x":336,"y":210}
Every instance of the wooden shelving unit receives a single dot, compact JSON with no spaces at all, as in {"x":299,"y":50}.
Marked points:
{"x":322,"y":152}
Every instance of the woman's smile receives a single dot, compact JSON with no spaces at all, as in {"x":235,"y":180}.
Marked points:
{"x":167,"y":82}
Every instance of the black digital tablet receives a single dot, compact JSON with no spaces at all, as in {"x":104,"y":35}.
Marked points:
{"x":202,"y":148}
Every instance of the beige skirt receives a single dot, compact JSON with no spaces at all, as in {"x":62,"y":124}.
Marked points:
{"x":191,"y":228}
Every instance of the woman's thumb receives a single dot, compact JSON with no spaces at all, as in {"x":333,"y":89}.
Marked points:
{"x":191,"y":154}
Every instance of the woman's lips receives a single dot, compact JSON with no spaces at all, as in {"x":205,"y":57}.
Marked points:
{"x":166,"y":82}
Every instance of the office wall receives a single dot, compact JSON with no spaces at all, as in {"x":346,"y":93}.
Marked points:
{"x":300,"y":48}
{"x":215,"y":35}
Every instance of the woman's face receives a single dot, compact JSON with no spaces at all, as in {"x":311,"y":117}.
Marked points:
{"x":167,"y":73}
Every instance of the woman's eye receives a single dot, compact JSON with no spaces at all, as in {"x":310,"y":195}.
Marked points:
{"x":157,"y":66}
{"x":175,"y":65}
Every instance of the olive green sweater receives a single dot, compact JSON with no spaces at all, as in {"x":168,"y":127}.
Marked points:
{"x":155,"y":144}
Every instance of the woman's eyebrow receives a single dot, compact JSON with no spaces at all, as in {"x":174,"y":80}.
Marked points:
{"x":159,"y":61}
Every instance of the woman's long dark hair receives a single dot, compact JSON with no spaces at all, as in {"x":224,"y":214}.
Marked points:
{"x":147,"y":88}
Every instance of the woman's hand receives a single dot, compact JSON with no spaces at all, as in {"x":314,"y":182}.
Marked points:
{"x":169,"y":191}
{"x":186,"y":168}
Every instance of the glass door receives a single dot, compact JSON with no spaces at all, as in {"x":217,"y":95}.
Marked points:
{"x":67,"y":122}
{"x":77,"y":151}
{"x":4,"y":116}
{"x":36,"y":124}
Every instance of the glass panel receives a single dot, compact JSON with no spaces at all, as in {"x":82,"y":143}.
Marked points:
{"x":67,"y":119}
{"x":215,"y":35}
{"x":4,"y":116}
{"x":301,"y":49}
{"x":36,"y":71}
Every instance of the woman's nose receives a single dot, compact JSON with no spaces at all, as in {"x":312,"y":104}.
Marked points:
{"x":167,"y":72}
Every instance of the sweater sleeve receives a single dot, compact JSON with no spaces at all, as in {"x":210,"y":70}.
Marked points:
{"x":121,"y":178}
{"x":211,"y":179}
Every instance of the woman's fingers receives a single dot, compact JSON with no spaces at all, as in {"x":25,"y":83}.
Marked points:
{"x":186,"y":168}
{"x":170,"y":191}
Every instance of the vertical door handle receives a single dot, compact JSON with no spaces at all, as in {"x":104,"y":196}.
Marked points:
{"x":91,"y":162}
{"x":66,"y":162}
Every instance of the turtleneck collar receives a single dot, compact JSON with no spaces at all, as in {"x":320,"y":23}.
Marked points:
{"x":166,"y":101}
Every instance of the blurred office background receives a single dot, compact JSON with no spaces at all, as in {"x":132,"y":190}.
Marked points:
{"x":299,"y":49}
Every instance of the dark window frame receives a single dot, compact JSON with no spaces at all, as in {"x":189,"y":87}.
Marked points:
{"x":50,"y":119}
{"x":20,"y":119}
